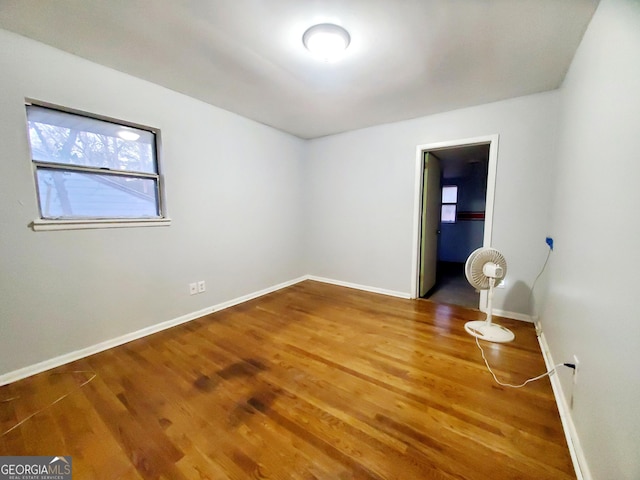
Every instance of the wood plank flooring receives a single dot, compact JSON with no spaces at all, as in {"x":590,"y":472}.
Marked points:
{"x":314,"y":381}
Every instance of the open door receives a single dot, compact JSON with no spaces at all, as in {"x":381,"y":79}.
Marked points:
{"x":421,"y":269}
{"x":430,"y":223}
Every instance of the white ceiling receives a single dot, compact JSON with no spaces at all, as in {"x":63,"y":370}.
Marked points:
{"x":407,"y":58}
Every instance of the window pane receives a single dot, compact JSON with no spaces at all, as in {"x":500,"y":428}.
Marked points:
{"x":89,"y":195}
{"x":448,"y":214}
{"x":450,"y":194}
{"x":72,"y":139}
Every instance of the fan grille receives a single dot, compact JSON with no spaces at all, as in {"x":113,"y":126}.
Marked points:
{"x":475,"y":263}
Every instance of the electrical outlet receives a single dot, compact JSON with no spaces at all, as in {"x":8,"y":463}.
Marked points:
{"x":193,"y":288}
{"x":201,"y":286}
{"x":502,"y":284}
{"x":576,"y":362}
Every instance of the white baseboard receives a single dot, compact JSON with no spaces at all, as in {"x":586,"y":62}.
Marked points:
{"x":251,"y":296}
{"x":365,"y":288}
{"x":93,"y":349}
{"x":114,"y":342}
{"x":514,"y":315}
{"x":573,"y":441}
{"x":501,"y":313}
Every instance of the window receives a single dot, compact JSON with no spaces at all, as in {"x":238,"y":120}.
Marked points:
{"x":449,"y":203}
{"x":92,"y":172}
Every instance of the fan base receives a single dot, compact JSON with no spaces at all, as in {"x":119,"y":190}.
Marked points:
{"x":490,"y":332}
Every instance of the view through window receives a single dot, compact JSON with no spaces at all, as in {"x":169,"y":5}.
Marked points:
{"x":89,"y":168}
{"x":449,"y":204}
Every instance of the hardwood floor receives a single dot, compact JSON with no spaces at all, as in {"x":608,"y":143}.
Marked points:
{"x":311,"y":382}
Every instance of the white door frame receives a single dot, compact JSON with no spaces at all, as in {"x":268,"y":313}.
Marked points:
{"x":492,"y":140}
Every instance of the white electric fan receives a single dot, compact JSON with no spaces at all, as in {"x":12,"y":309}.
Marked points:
{"x":485,"y":269}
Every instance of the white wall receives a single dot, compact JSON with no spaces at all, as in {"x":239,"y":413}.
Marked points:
{"x":232,"y":187}
{"x":592,"y":307}
{"x":360,"y":194}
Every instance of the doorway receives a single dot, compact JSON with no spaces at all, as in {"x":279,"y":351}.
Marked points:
{"x":455,"y":185}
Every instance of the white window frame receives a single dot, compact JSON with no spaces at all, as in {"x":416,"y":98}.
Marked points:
{"x":455,"y":204}
{"x":42,"y":223}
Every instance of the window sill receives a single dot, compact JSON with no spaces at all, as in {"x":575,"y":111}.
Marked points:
{"x":45,"y":225}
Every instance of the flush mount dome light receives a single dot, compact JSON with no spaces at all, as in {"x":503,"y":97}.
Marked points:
{"x":326,"y":41}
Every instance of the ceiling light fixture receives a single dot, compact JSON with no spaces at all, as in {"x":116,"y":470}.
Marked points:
{"x":326,"y":41}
